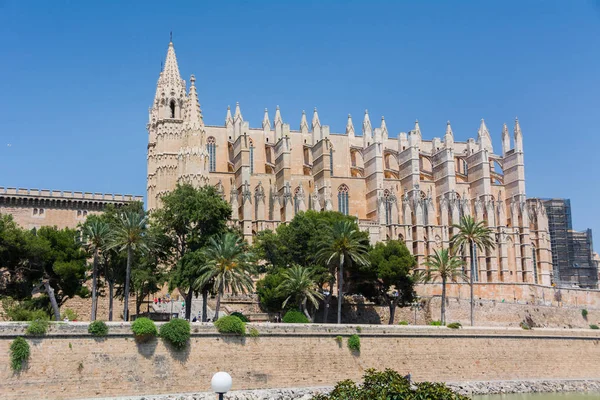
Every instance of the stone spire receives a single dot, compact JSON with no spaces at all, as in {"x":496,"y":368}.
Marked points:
{"x":237,"y":122}
{"x":417,"y":128}
{"x":266,"y":124}
{"x":449,"y":136}
{"x":278,"y":124}
{"x":315,"y":120}
{"x":505,"y":140}
{"x":228,"y":118}
{"x":194,"y":113}
{"x":349,"y":126}
{"x":384,"y":130}
{"x":170,"y":77}
{"x":238,"y":114}
{"x":303,"y":123}
{"x":170,"y":97}
{"x":518,"y":136}
{"x":367,"y":129}
{"x":483,"y":137}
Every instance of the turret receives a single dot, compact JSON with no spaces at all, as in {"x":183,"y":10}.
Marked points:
{"x":237,"y":122}
{"x":266,"y":124}
{"x":350,"y":127}
{"x":278,"y":124}
{"x":505,"y":140}
{"x":316,"y":127}
{"x":449,"y":137}
{"x":367,"y":130}
{"x":193,"y":114}
{"x":303,"y":123}
{"x":518,"y":137}
{"x":170,"y":96}
{"x":484,"y":140}
{"x":384,"y":131}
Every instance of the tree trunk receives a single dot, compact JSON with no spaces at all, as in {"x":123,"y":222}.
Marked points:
{"x":94,"y":286}
{"x":443,"y":312}
{"x":126,"y":293}
{"x":305,"y":310}
{"x":139,"y":297}
{"x":188,"y":304}
{"x":204,"y":304}
{"x":340,"y":293}
{"x":472,"y":278}
{"x":327,"y":302}
{"x":111,"y":289}
{"x":50,"y":292}
{"x":217,"y":307}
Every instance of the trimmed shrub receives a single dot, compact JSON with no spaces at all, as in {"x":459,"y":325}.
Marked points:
{"x":176,"y":332}
{"x":435,"y":323}
{"x":19,"y":353}
{"x":594,"y":326}
{"x":388,"y":384}
{"x":584,"y":313}
{"x":70,"y":315}
{"x":98,"y":328}
{"x":253,"y":332}
{"x":240,"y":316}
{"x":295,"y":317}
{"x":231,"y":324}
{"x":403,"y":323}
{"x":354,"y":343}
{"x":144,"y":329}
{"x":37,"y":327}
{"x":454,"y":325}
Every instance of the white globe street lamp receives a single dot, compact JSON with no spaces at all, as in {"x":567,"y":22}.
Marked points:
{"x":221,"y":383}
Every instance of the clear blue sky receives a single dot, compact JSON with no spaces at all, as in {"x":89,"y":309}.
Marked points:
{"x":77,"y":78}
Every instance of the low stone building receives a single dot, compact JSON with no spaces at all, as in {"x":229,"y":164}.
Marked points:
{"x":34,"y":208}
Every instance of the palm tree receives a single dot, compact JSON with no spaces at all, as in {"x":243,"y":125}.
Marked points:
{"x":227,"y":265}
{"x":298,"y":285}
{"x":474,"y":235}
{"x":129,"y":234}
{"x":447,"y":267}
{"x":95,"y":236}
{"x":344,"y":246}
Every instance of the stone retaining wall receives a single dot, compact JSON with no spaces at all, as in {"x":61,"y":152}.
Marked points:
{"x":68,"y":363}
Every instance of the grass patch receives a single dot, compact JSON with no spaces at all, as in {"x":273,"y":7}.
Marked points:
{"x":354,"y":343}
{"x":37,"y":328}
{"x":19,"y":354}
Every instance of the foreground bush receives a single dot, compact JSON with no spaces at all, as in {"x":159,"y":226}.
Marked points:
{"x":98,"y":328}
{"x":454,"y":325}
{"x":389,"y":385}
{"x":19,"y":353}
{"x":354,"y":343}
{"x":435,"y":323}
{"x":37,"y":327}
{"x":23,"y":310}
{"x":176,"y":332}
{"x":295,"y":317}
{"x":594,"y":326}
{"x":240,"y":316}
{"x":144,"y":329}
{"x":231,"y":324}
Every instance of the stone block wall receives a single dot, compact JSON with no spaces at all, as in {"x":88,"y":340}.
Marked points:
{"x":69,"y":364}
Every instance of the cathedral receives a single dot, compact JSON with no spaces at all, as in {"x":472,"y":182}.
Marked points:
{"x":403,"y":188}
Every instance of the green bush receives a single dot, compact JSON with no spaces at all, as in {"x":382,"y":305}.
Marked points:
{"x":354,"y":343}
{"x":358,"y":329}
{"x":28,"y":310}
{"x":231,"y":324}
{"x":389,"y":384}
{"x":98,"y":328}
{"x":176,"y":332}
{"x":295,"y":317}
{"x":19,"y":353}
{"x":435,"y":323}
{"x":403,"y":323}
{"x":240,"y":316}
{"x":144,"y":329}
{"x":525,"y":326}
{"x":594,"y":326}
{"x":454,"y":325}
{"x":253,"y":332}
{"x":584,"y":313}
{"x":37,"y":327}
{"x":339,"y":339}
{"x":70,"y":315}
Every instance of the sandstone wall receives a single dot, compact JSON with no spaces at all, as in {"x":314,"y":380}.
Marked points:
{"x":69,"y":364}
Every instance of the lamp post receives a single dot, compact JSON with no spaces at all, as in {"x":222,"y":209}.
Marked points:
{"x":221,"y":383}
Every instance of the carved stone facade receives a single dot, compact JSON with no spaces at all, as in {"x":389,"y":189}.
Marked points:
{"x":33,"y":208}
{"x":399,"y":188}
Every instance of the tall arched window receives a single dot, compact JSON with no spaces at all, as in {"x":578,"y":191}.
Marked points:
{"x":534,"y":261}
{"x":296,"y":203}
{"x":388,"y":207}
{"x":172,"y":107}
{"x":212,"y":156}
{"x":251,"y":156}
{"x":331,"y":160}
{"x":343,"y":199}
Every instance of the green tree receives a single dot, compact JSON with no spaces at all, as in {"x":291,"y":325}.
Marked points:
{"x":343,"y":246}
{"x":298,"y":285}
{"x":447,"y":267}
{"x":14,"y":243}
{"x":390,"y":275}
{"x":271,"y":300}
{"x":95,"y":234}
{"x":188,"y":218}
{"x":228,"y":266}
{"x":129,"y":234}
{"x":472,"y":235}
